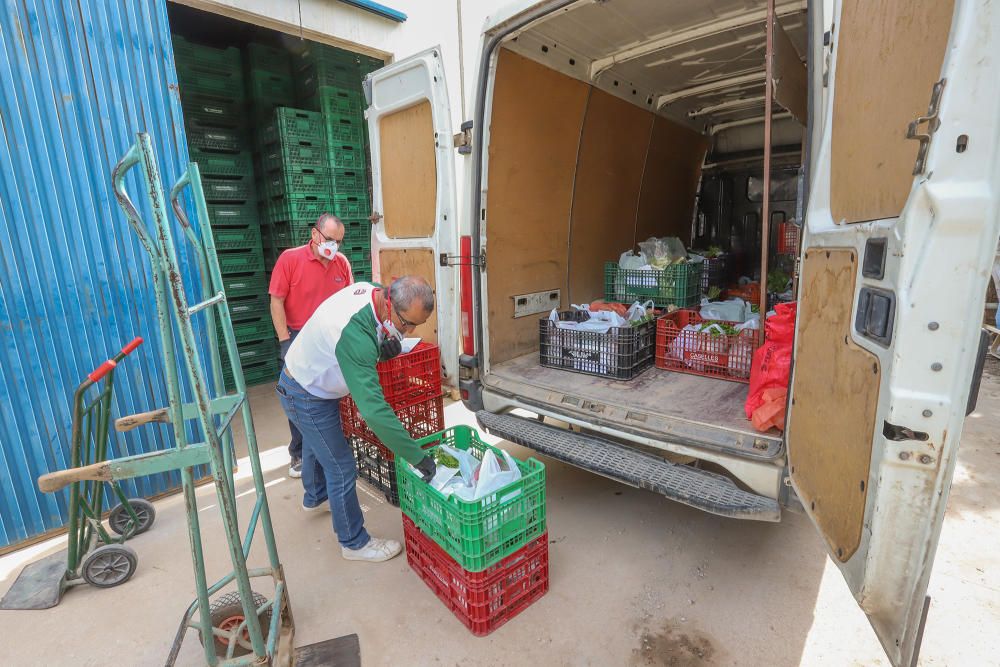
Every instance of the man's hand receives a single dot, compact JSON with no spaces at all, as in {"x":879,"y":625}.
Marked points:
{"x":426,"y":468}
{"x":283,"y":346}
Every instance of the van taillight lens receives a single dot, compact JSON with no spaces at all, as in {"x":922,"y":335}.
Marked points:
{"x":468,"y":339}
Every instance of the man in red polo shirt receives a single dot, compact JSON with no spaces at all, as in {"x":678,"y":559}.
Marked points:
{"x":302,"y":279}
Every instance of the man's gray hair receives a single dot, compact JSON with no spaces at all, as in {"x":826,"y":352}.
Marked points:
{"x":404,"y":291}
{"x":327,"y":217}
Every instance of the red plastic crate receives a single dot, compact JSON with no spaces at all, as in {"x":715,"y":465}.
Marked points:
{"x":411,"y":377}
{"x":788,"y":239}
{"x":485,"y":600}
{"x":749,"y":292}
{"x":718,"y":355}
{"x":419,"y":419}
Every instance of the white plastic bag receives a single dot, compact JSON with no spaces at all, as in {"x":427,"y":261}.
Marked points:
{"x":733,"y":310}
{"x":637,"y":311}
{"x":467,"y":463}
{"x":632,"y":260}
{"x":494,"y":475}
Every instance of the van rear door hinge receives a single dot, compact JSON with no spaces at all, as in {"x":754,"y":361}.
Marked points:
{"x":463,"y":140}
{"x":932,"y":121}
{"x":463,"y":260}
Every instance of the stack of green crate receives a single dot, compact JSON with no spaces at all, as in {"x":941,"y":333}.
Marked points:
{"x":329,"y":81}
{"x":213,"y":97}
{"x":295,"y":184}
{"x":268,"y":80}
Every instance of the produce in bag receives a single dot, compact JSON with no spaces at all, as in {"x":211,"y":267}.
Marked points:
{"x":632,"y":260}
{"x":662,"y":252}
{"x":772,"y":361}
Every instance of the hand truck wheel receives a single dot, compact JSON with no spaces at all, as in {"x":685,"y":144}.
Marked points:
{"x":121,"y":522}
{"x":109,"y":565}
{"x":227,"y":614}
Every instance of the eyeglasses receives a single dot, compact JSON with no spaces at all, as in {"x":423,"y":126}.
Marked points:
{"x":325,"y":237}
{"x":405,"y":322}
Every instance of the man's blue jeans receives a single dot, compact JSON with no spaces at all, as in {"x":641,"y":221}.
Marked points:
{"x":328,"y":468}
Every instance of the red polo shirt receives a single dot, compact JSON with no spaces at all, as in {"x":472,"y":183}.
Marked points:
{"x":304,"y":282}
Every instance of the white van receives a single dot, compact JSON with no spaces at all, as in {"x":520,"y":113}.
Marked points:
{"x":601,"y":123}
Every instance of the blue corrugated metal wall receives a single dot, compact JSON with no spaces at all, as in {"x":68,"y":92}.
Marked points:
{"x":77,"y":81}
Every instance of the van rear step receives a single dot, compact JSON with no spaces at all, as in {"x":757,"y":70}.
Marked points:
{"x":700,"y":489}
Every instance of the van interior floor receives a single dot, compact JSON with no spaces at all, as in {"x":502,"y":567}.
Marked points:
{"x":682,"y":408}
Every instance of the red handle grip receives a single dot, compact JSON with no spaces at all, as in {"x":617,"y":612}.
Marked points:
{"x":102,"y":370}
{"x":136,"y":342}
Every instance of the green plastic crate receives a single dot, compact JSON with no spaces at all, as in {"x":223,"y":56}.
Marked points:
{"x":231,"y":165}
{"x":253,"y":352}
{"x":678,"y":285}
{"x":252,"y":331}
{"x":228,"y":189}
{"x":359,"y":235}
{"x":367,"y":64}
{"x":232,"y":214}
{"x":337,"y":100}
{"x":237,"y":238}
{"x":320,"y":74}
{"x":223,"y":85}
{"x":350,"y":181}
{"x":219,"y":140}
{"x":297,"y":183}
{"x":351,"y":206}
{"x":283,"y":235}
{"x":344,"y":128}
{"x":300,"y":155}
{"x":362,"y":269}
{"x":277,"y":89}
{"x":269,"y":58}
{"x":348,"y":156}
{"x":261,"y":372}
{"x":243,"y":262}
{"x":206,"y":57}
{"x":291,"y":125}
{"x":315,"y":52}
{"x":244,"y":284}
{"x":214,"y":112}
{"x":249,"y":307}
{"x":479,"y":533}
{"x":302,"y":208}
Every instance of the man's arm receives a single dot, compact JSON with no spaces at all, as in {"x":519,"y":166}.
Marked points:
{"x":278,"y":317}
{"x":357,"y":356}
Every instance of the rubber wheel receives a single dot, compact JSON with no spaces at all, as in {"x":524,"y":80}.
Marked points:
{"x":227,"y":614}
{"x":121,"y":522}
{"x":109,"y":565}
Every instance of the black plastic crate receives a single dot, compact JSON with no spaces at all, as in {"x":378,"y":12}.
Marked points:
{"x":375,"y":468}
{"x":620,"y":353}
{"x":713,"y":273}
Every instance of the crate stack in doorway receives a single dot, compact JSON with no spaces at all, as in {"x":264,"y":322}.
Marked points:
{"x":213,"y":97}
{"x":487,"y":559}
{"x":411,"y":384}
{"x":295,"y":183}
{"x":329,"y":82}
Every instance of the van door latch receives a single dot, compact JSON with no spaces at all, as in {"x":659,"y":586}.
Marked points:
{"x":463,"y":260}
{"x":463,"y":140}
{"x":932,"y":122}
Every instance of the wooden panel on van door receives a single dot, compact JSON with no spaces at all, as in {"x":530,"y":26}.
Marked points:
{"x":888,"y":58}
{"x":400,"y":262}
{"x":831,"y":421}
{"x":409,"y":172}
{"x":535,"y":128}
{"x":606,"y":196}
{"x":670,"y":181}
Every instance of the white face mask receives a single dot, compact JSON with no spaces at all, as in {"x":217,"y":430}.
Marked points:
{"x":390,"y":329}
{"x":327,"y":249}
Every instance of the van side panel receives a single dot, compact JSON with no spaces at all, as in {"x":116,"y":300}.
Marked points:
{"x":670,"y":181}
{"x":606,"y":199}
{"x":535,"y":129}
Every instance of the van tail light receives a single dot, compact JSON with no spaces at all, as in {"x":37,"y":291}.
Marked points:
{"x":468,"y":338}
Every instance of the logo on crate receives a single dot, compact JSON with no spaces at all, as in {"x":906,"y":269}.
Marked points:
{"x":707,"y":357}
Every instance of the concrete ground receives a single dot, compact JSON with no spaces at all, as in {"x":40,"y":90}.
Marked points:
{"x":635,"y":580}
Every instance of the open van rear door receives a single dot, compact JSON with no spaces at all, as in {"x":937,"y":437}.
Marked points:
{"x":900,"y":231}
{"x":415,"y":230}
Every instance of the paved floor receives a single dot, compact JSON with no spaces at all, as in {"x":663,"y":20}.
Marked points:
{"x":635,"y":580}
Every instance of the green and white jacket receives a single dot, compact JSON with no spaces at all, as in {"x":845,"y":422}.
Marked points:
{"x":335,"y":354}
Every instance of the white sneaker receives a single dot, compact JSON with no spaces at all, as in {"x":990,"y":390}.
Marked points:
{"x":324,"y":505}
{"x":295,"y":468}
{"x":376,"y":551}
